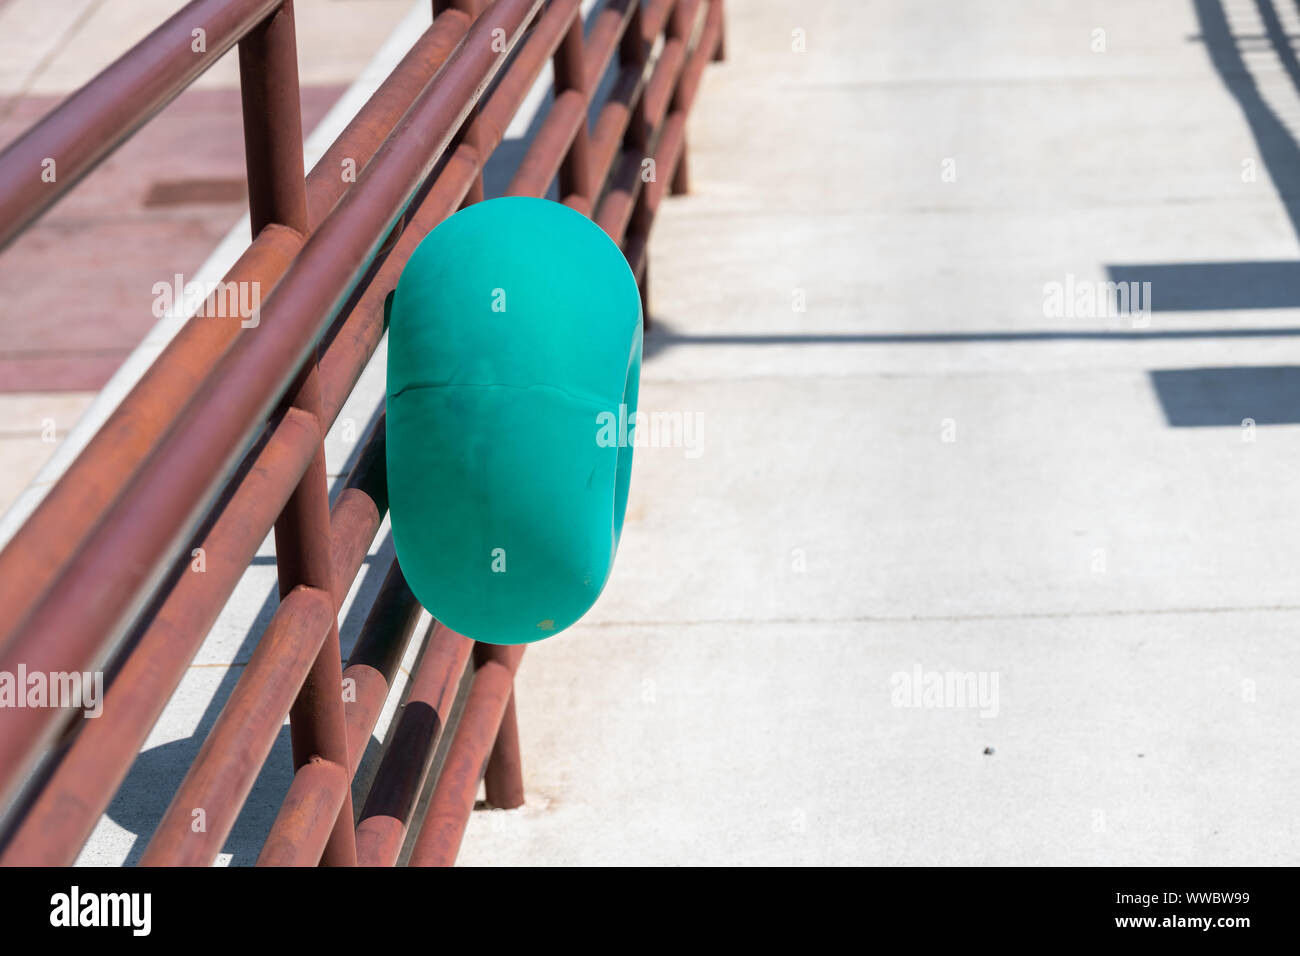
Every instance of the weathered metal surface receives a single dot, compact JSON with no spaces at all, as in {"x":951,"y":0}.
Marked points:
{"x":77,"y":502}
{"x":410,"y":747}
{"x":123,"y":557}
{"x":221,"y":439}
{"x":92,"y":122}
{"x":453,"y":795}
{"x":307,"y":818}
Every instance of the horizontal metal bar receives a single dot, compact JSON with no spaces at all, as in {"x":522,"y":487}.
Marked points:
{"x":513,"y":88}
{"x":706,"y":48}
{"x":88,"y":774}
{"x":60,"y":524}
{"x":659,"y":90}
{"x":615,"y":210}
{"x":120,"y":562}
{"x":320,"y":788}
{"x":383,"y":640}
{"x":303,"y":825}
{"x":77,"y":502}
{"x":685,"y":17}
{"x":96,"y":761}
{"x":542,"y":161}
{"x":503,"y":777}
{"x":233,"y":753}
{"x":579,"y":204}
{"x":655,"y":18}
{"x":365,"y":132}
{"x":78,"y":133}
{"x":604,"y":38}
{"x":358,"y":335}
{"x":672,"y":139}
{"x":612,"y":122}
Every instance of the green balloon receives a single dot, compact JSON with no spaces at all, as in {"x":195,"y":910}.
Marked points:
{"x":514,"y":355}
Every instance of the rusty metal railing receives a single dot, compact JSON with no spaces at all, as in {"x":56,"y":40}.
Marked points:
{"x":221,"y":439}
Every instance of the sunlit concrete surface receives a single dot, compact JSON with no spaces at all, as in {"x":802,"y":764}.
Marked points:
{"x":1132,"y":585}
{"x":903,"y":460}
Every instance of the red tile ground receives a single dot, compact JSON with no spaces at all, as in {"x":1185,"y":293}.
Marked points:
{"x":76,"y":289}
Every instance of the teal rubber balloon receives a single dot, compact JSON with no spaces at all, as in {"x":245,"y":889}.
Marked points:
{"x":514,"y":356}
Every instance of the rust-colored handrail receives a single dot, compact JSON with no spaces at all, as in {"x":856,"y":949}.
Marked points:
{"x":221,"y":439}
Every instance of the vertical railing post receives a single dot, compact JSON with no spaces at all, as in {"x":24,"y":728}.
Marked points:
{"x":317,"y":720}
{"x":570,"y":74}
{"x":277,"y":193}
{"x":503,"y":780}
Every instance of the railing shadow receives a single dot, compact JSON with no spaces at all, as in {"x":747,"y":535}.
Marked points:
{"x":1209,"y":286}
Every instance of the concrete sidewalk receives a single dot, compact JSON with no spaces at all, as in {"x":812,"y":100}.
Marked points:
{"x":870,"y":501}
{"x":909,"y":464}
